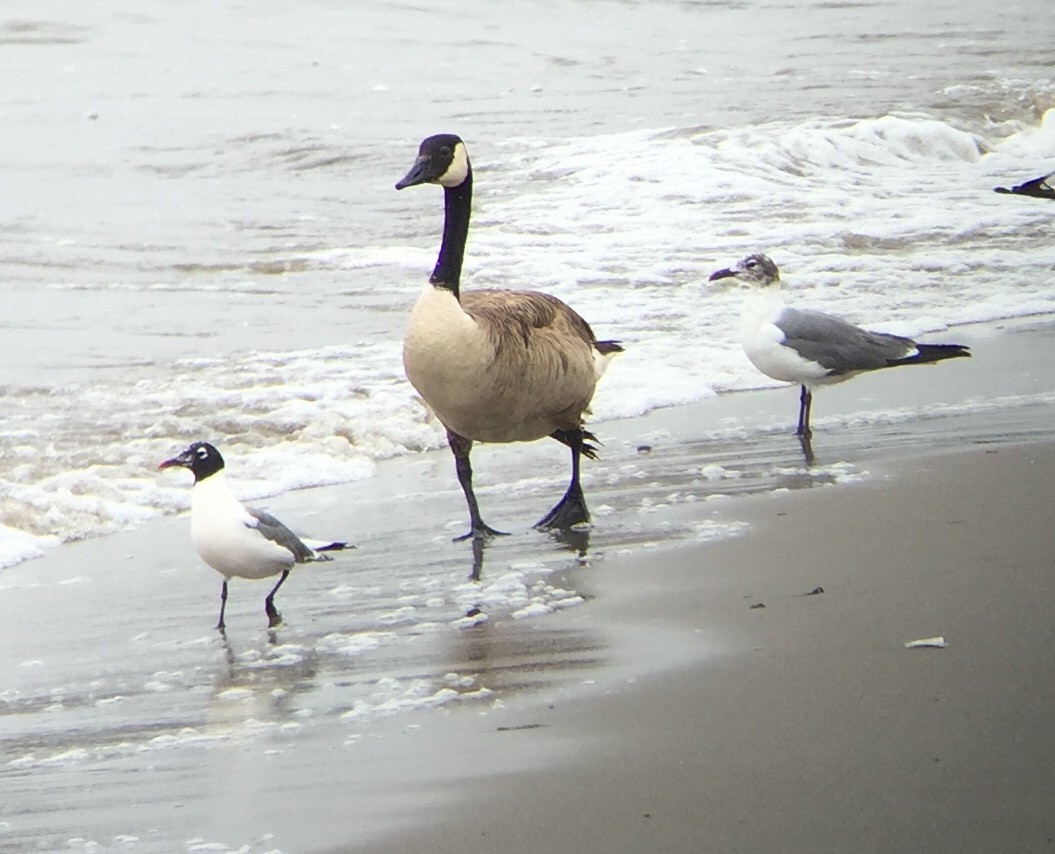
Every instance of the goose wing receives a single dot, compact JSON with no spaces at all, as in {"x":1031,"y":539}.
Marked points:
{"x":521,"y":315}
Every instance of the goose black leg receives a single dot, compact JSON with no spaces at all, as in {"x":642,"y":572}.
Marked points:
{"x":571,"y":509}
{"x":805,"y":402}
{"x":274,"y":618}
{"x":478,"y":529}
{"x":221,"y":625}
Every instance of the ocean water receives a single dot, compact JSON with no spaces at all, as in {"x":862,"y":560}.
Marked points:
{"x":201,"y":239}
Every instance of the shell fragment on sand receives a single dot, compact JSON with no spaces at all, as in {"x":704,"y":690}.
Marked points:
{"x":927,"y":643}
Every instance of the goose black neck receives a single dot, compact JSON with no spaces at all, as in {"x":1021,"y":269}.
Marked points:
{"x":457,"y":206}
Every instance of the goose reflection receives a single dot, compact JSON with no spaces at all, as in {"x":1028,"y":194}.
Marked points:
{"x":575,"y":540}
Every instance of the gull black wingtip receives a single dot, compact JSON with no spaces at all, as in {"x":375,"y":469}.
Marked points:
{"x":335,"y":547}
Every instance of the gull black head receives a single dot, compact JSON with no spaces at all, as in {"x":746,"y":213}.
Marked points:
{"x":201,"y":458}
{"x":442,"y":159}
{"x":758,"y":270}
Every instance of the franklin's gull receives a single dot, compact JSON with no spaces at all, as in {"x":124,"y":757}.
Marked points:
{"x":236,"y":540}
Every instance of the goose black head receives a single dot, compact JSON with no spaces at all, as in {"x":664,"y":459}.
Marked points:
{"x":442,"y":159}
{"x":201,"y":458}
{"x":758,"y":270}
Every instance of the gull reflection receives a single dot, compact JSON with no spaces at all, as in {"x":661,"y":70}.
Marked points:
{"x":805,"y":440}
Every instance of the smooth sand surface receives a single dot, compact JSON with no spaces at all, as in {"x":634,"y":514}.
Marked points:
{"x":811,"y":727}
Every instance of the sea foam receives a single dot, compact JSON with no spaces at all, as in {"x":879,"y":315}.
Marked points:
{"x":889,"y":221}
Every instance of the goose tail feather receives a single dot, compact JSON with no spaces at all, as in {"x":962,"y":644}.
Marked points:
{"x":604,"y":351}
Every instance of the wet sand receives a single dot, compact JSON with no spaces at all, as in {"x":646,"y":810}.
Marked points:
{"x":809,"y":727}
{"x":661,"y":711}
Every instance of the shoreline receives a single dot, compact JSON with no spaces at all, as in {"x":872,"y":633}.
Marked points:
{"x":711,"y":426}
{"x":382,"y":714}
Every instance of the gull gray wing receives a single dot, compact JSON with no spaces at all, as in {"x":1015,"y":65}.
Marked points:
{"x":274,"y":530}
{"x":837,"y":345}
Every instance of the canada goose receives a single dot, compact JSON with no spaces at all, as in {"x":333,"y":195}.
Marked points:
{"x":811,"y":348}
{"x":1040,"y":188}
{"x":236,"y":540}
{"x":495,"y":365}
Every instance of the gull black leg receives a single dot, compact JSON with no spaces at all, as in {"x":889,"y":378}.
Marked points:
{"x":805,"y":403}
{"x":274,"y":618}
{"x":571,"y":509}
{"x":221,"y":625}
{"x":461,"y":447}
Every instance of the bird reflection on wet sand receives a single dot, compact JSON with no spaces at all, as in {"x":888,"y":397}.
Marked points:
{"x":805,"y":440}
{"x":576,"y":540}
{"x":262,"y":681}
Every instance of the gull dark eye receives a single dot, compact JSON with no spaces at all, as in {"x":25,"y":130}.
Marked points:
{"x":203,"y":453}
{"x":446,"y":151}
{"x":751,"y":265}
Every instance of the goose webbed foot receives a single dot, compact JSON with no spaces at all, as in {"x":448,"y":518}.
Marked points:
{"x":481,"y":531}
{"x":571,"y":509}
{"x":579,"y":440}
{"x":568,"y":512}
